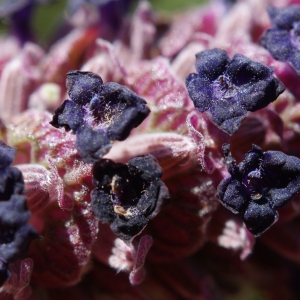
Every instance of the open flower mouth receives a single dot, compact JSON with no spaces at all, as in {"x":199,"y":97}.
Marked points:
{"x":100,"y":116}
{"x":223,"y":88}
{"x":128,"y":196}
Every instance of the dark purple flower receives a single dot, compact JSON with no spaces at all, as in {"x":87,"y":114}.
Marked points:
{"x":283,"y":39}
{"x":98,"y":113}
{"x":227,"y":89}
{"x":128,"y":196}
{"x":16,"y":234}
{"x":259,"y":185}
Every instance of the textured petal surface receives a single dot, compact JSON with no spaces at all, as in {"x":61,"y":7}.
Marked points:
{"x":211,"y":63}
{"x":259,"y":217}
{"x":227,"y":117}
{"x":232,"y":196}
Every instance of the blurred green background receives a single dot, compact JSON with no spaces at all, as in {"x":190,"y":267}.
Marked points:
{"x":47,"y":18}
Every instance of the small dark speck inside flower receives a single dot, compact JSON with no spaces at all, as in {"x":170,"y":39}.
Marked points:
{"x":254,"y":184}
{"x":223,"y":88}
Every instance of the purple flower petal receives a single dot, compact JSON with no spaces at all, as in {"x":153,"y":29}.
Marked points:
{"x":7,"y":155}
{"x":227,"y":116}
{"x":284,"y":17}
{"x":211,"y":63}
{"x":83,"y":86}
{"x":278,"y":42}
{"x":232,"y":196}
{"x":259,"y":217}
{"x":92,"y":144}
{"x":200,"y":91}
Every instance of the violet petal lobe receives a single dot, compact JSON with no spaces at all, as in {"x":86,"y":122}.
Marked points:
{"x":284,"y":17}
{"x":259,"y":185}
{"x":128,"y":196}
{"x":128,"y":106}
{"x":211,"y":63}
{"x":102,"y":206}
{"x":16,"y":234}
{"x":283,"y":39}
{"x":200,"y":91}
{"x":295,"y":60}
{"x":68,"y":116}
{"x":259,"y":217}
{"x":83,"y":86}
{"x":91,"y":144}
{"x":255,"y":84}
{"x":289,"y":167}
{"x":11,"y":182}
{"x":226,"y":89}
{"x":278,"y":42}
{"x":232,"y":195}
{"x":98,"y":113}
{"x":252,"y":159}
{"x":7,"y":155}
{"x":226,"y":117}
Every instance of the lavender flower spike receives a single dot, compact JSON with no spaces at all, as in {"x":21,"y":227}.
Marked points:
{"x":128,"y":196}
{"x":283,"y":39}
{"x":259,"y":185}
{"x":98,"y":113}
{"x":227,"y":89}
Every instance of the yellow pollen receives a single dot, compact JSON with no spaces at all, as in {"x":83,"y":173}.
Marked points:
{"x":118,"y":209}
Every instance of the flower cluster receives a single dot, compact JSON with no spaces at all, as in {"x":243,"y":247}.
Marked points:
{"x":159,"y":171}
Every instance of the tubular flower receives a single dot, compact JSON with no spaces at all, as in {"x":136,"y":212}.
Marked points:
{"x":227,"y":89}
{"x":259,"y":185}
{"x":128,"y":196}
{"x":98,"y":112}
